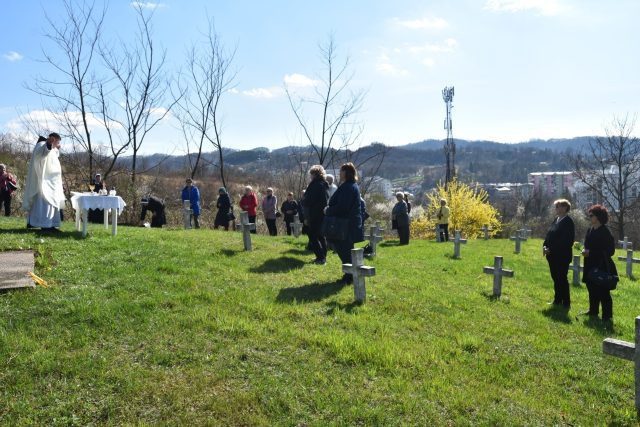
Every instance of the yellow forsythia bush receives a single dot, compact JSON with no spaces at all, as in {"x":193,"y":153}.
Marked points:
{"x":470,"y":211}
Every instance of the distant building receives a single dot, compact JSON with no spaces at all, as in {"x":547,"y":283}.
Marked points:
{"x":508,"y":190}
{"x":552,"y":184}
{"x":381,"y":186}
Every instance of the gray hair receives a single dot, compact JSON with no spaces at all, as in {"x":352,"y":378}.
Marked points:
{"x":400,"y":194}
{"x":317,"y":170}
{"x":3,"y":166}
{"x":330,"y":178}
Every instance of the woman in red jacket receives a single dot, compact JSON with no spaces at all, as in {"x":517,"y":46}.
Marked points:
{"x":249,"y":203}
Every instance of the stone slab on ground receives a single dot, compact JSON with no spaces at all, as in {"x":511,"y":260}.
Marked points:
{"x":14,"y":266}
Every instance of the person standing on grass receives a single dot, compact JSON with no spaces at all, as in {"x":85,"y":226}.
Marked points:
{"x":315,"y":200}
{"x":289,"y":209}
{"x":43,"y":193}
{"x":332,"y":186}
{"x":599,"y":247}
{"x":558,"y":248}
{"x":8,"y":185}
{"x":400,"y":217}
{"x":270,"y":211}
{"x":223,"y":216}
{"x":249,"y":204}
{"x":406,"y":200}
{"x":345,"y":204}
{"x":443,"y":220}
{"x":191,"y":193}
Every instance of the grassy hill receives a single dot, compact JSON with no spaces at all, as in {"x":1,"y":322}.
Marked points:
{"x":173,"y":326}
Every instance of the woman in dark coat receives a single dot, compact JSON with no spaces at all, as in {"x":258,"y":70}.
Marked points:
{"x":599,"y":247}
{"x":315,"y":200}
{"x":558,"y":248}
{"x":289,"y":209}
{"x":224,"y":210}
{"x":400,"y":216}
{"x":345,"y":203}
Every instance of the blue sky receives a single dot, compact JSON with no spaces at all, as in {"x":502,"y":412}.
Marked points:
{"x":522,"y":69}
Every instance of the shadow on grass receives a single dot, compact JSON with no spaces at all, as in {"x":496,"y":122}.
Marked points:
{"x":604,"y":329}
{"x":495,"y":298}
{"x":278,"y":265}
{"x":296,"y":251}
{"x":557,"y":314}
{"x":76,"y":235}
{"x":229,"y":252}
{"x":389,"y":243}
{"x":310,"y":293}
{"x":347,"y":308}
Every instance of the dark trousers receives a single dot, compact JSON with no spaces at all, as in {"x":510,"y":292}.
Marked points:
{"x":5,"y":199}
{"x":559,"y":268}
{"x":271,"y":225}
{"x":403,"y":234}
{"x":252,"y":220}
{"x":600,"y":296}
{"x":343,"y":249}
{"x":288,"y":225}
{"x":196,"y":222}
{"x":317,"y":242}
{"x":444,"y":232}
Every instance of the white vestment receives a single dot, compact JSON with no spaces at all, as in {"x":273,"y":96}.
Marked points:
{"x":43,"y":193}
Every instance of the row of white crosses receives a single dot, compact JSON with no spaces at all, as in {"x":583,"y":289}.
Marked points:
{"x":521,"y":236}
{"x":630,"y":260}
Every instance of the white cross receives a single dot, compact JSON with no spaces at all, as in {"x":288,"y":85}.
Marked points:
{"x":625,"y":244}
{"x":497,"y":271}
{"x":246,"y":228}
{"x":577,"y":269}
{"x":186,"y":214}
{"x":630,"y":261}
{"x":359,"y":271}
{"x":374,"y":237}
{"x":456,"y":244}
{"x":486,"y":229}
{"x":526,"y":232}
{"x":296,"y":226}
{"x":519,"y":237}
{"x":628,"y":351}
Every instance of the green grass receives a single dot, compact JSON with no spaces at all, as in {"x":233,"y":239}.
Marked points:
{"x":182,"y":327}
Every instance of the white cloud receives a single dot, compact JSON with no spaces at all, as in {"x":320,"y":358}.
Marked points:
{"x":13,"y":56}
{"x":147,"y":5}
{"x":448,"y":45}
{"x":299,"y":81}
{"x":429,"y":23}
{"x":264,"y":92}
{"x":47,"y":119}
{"x":543,"y":7}
{"x":428,"y":62}
{"x":385,"y":66}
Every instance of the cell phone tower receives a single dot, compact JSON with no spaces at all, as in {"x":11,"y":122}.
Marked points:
{"x":449,"y":145}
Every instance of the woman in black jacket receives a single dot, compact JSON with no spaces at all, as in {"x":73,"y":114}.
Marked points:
{"x":558,"y":248}
{"x":599,"y":247}
{"x":345,"y":203}
{"x":315,"y":200}
{"x":224,"y":210}
{"x":289,"y":209}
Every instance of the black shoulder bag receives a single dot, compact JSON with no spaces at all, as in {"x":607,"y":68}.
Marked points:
{"x":605,"y":277}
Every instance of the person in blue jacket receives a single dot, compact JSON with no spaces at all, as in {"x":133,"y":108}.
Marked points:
{"x":345,"y":203}
{"x":191,"y":193}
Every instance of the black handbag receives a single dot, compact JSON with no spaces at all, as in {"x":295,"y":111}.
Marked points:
{"x":607,"y":277}
{"x":334,"y":228}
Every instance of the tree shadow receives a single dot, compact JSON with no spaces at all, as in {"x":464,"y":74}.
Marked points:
{"x":278,"y":265}
{"x":347,"y":308}
{"x":310,"y":293}
{"x":557,"y":314}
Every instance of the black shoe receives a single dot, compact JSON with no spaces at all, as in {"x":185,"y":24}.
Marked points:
{"x":29,"y":226}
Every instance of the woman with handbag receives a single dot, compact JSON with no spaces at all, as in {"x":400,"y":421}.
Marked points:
{"x":343,"y":217}
{"x":315,"y":200}
{"x":600,"y":273}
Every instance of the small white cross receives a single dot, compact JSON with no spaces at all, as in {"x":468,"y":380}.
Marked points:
{"x":628,"y":351}
{"x":186,"y":214}
{"x":630,"y":261}
{"x":519,"y":237}
{"x":497,"y":271}
{"x":374,"y":237}
{"x":457,"y":241}
{"x":577,"y":269}
{"x":246,"y":230}
{"x":296,"y":226}
{"x":359,"y":271}
{"x":625,"y":244}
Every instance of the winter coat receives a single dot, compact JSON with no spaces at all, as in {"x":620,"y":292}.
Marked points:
{"x":249,"y":203}
{"x":269,"y":207}
{"x":193,"y":196}
{"x":400,"y":214}
{"x":345,"y":203}
{"x":315,"y":200}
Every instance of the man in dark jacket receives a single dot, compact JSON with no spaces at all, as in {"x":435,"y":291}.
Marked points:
{"x":315,"y":200}
{"x":156,"y":206}
{"x":557,"y":248}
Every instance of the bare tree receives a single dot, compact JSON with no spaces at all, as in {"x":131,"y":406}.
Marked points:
{"x":336,"y":104}
{"x":138,"y":77}
{"x":611,"y":168}
{"x":208,"y":76}
{"x":72,"y":90}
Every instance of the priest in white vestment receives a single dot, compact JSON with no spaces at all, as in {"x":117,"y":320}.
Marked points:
{"x":43,"y":195}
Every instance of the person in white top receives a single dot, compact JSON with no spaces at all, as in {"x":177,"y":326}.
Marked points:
{"x":332,"y":187}
{"x":44,"y":195}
